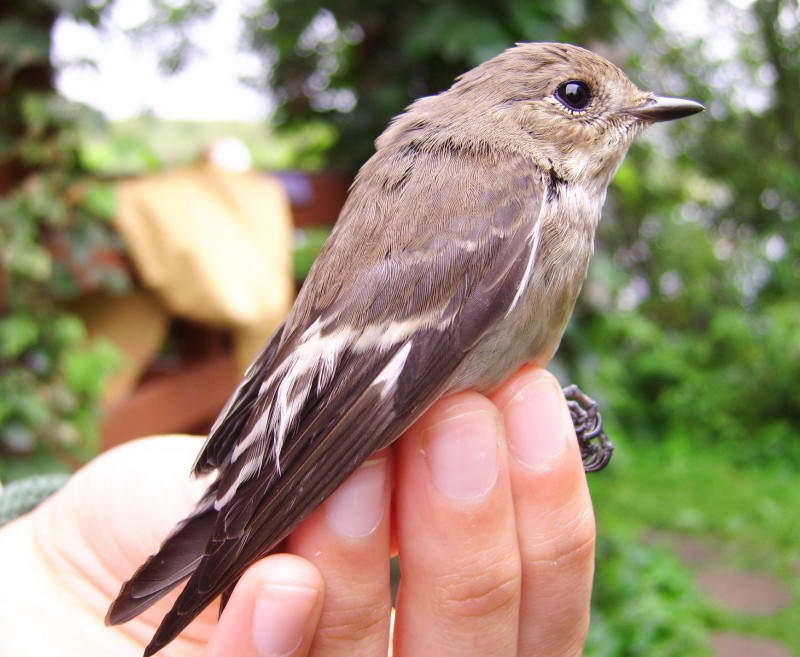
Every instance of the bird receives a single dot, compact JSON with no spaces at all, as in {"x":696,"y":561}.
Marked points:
{"x":457,"y":258}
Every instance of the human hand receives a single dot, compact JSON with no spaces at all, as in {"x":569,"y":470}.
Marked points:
{"x":497,"y":555}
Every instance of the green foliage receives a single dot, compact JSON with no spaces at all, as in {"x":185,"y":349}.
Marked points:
{"x":17,"y":333}
{"x":694,"y":488}
{"x":56,"y":237}
{"x":645,"y":604}
{"x":735,"y":389}
{"x":50,"y":383}
{"x":145,"y":144}
{"x":742,"y":512}
{"x":306,"y":248}
{"x":359,"y":63}
{"x":55,"y":243}
{"x":22,"y":45}
{"x":121,"y":156}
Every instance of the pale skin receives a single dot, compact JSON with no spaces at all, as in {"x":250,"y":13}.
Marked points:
{"x":484,"y":498}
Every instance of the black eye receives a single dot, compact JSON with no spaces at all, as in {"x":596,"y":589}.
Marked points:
{"x":574,"y":94}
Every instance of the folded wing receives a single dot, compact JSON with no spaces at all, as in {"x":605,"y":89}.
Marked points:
{"x":389,"y":312}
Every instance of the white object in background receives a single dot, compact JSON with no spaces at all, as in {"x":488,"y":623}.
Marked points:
{"x":230,"y":154}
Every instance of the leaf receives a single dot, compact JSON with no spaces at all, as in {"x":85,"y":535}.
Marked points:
{"x":100,"y":200}
{"x":85,"y":371}
{"x":17,"y":333}
{"x":308,"y":244}
{"x":22,"y":45}
{"x":457,"y":35}
{"x":119,"y":157}
{"x":67,"y":331}
{"x":36,"y":112}
{"x":29,"y":260}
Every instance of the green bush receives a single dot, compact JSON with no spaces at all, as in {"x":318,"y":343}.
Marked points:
{"x":659,"y":494}
{"x":644,"y":604}
{"x":734,"y":389}
{"x":56,"y":242}
{"x":50,"y":383}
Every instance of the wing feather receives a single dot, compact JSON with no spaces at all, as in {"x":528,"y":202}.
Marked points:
{"x":370,"y":345}
{"x":237,"y":411}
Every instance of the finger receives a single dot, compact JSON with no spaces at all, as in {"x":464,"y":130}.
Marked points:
{"x":348,"y":540}
{"x":460,"y":585}
{"x":554,"y":517}
{"x":273,"y":611}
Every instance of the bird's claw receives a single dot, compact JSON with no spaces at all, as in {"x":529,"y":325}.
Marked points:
{"x":596,"y":448}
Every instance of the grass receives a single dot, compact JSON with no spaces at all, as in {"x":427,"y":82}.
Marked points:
{"x":750,"y":512}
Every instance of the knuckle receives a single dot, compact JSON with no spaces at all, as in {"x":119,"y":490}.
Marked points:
{"x":484,"y":593}
{"x":573,"y":541}
{"x":354,"y":622}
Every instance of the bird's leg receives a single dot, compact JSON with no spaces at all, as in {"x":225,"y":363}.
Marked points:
{"x":596,"y":448}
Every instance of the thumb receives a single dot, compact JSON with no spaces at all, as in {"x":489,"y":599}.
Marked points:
{"x":273,"y":611}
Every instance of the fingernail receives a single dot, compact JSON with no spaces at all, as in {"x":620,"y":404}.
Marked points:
{"x":356,"y":509}
{"x":462,"y":454}
{"x":535,"y":423}
{"x":281,"y":616}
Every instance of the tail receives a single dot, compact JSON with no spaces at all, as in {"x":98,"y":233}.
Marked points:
{"x":183,"y":550}
{"x":175,"y":561}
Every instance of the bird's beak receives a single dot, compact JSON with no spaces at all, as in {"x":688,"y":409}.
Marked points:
{"x":660,"y":108}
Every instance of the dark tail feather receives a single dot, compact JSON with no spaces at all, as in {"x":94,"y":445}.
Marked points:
{"x":226,"y":595}
{"x":176,"y":559}
{"x":316,"y":468}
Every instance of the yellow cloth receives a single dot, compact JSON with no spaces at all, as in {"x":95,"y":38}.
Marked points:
{"x":215,"y":246}
{"x":207,"y":244}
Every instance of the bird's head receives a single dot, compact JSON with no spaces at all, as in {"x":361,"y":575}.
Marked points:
{"x":574,"y":109}
{"x":581,"y":110}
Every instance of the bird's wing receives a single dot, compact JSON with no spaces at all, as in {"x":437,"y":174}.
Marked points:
{"x":373,"y":340}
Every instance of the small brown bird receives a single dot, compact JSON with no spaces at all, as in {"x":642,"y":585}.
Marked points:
{"x":457,"y":258}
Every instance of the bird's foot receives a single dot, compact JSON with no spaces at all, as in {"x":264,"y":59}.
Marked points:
{"x":596,"y":448}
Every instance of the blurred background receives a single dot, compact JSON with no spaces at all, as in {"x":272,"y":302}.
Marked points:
{"x":169,"y":170}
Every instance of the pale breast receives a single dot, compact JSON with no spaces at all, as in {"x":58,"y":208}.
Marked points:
{"x":532,"y":331}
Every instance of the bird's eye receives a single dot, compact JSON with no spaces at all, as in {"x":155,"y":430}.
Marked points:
{"x":574,"y":94}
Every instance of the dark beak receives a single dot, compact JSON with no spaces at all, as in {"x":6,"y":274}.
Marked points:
{"x":665,"y":109}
